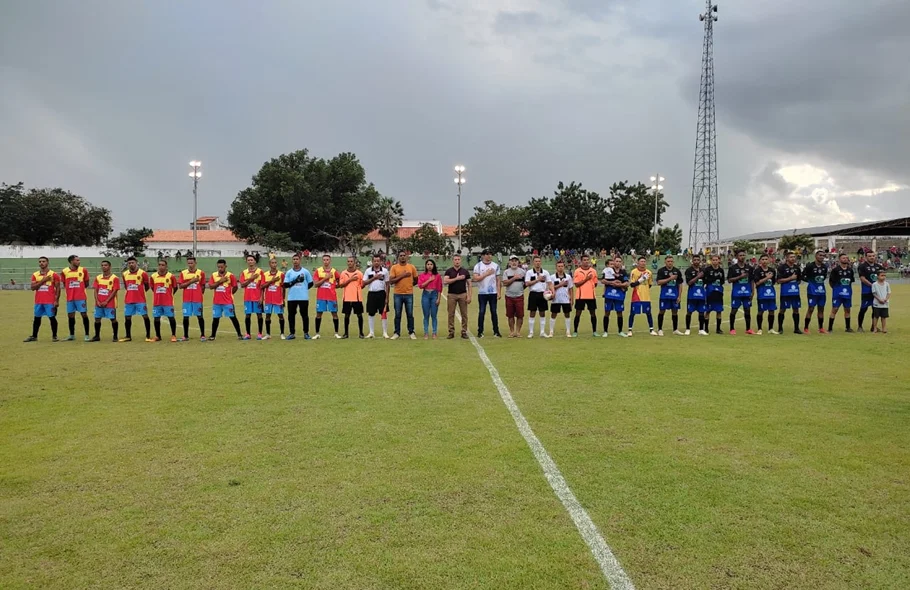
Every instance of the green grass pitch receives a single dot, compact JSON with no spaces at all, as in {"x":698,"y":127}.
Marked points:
{"x":718,"y":462}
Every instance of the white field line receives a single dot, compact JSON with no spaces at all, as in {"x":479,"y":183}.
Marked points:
{"x":609,"y":565}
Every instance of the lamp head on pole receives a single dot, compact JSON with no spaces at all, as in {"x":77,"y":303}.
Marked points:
{"x":459,"y":169}
{"x":657,"y":187}
{"x":460,"y":180}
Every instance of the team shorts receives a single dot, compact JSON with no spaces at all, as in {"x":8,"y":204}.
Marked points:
{"x":866,"y":300}
{"x":696,"y":306}
{"x":192,"y":310}
{"x":880,"y":312}
{"x":836,"y":302}
{"x":790,"y":302}
{"x":816,"y":300}
{"x":131,"y":309}
{"x":163,"y":311}
{"x":565,"y":308}
{"x":715,"y":302}
{"x":581,"y":304}
{"x":251,"y":307}
{"x":375,"y":302}
{"x":222,"y":310}
{"x":515,"y":307}
{"x":743,"y":302}
{"x":77,"y":305}
{"x":537,"y":302}
{"x":275,"y":308}
{"x":617,"y":305}
{"x":323,"y":306}
{"x":355,"y":307}
{"x":641,"y":307}
{"x":105,"y":313}
{"x":669,"y":304}
{"x":44,"y":310}
{"x":767,"y":305}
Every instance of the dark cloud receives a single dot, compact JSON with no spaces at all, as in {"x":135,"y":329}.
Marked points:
{"x":772,"y":179}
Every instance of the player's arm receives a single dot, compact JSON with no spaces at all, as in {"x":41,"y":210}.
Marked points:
{"x":476,"y":276}
{"x":84,"y":277}
{"x":174,"y":286}
{"x":397,"y":277}
{"x":95,"y":287}
{"x":37,"y":284}
{"x":662,"y":282}
{"x":694,"y":278}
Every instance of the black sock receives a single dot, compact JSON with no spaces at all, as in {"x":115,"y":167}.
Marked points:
{"x":268,"y":326}
{"x":281,"y":323}
{"x":717,"y":321}
{"x":85,"y":324}
{"x":116,"y":328}
{"x":54,"y":327}
{"x":158,"y":328}
{"x":259,"y":323}
{"x":306,"y":321}
{"x":808,"y":321}
{"x":347,"y":322}
{"x":780,"y":322}
{"x":359,"y":323}
{"x":821,"y":319}
{"x":335,"y":323}
{"x":201,"y":326}
{"x":660,"y":321}
{"x":186,"y":327}
{"x":848,"y":322}
{"x":862,"y":317}
{"x":593,"y":323}
{"x":688,"y":321}
{"x":36,"y":325}
{"x":732,"y":319}
{"x":748,"y":315}
{"x":128,"y":325}
{"x":577,"y":321}
{"x":72,"y":326}
{"x":619,"y":321}
{"x":606,"y":322}
{"x":761,"y":318}
{"x":173,"y":323}
{"x":215,"y":323}
{"x":318,"y":324}
{"x":703,"y":321}
{"x":236,"y":327}
{"x":246,"y":324}
{"x":97,"y":328}
{"x":830,"y":324}
{"x":675,"y":322}
{"x":796,"y":322}
{"x":148,"y":326}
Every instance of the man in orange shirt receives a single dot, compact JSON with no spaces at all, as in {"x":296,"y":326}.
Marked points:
{"x":585,"y":280}
{"x":352,"y":296}
{"x":404,"y":276}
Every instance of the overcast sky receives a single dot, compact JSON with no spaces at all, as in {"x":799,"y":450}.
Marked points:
{"x":111,"y":99}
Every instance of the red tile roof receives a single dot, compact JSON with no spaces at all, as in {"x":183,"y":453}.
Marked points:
{"x":205,"y":220}
{"x":406,"y":232}
{"x":186,"y":235}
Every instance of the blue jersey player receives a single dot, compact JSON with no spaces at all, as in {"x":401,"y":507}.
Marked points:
{"x":739,"y":275}
{"x":764,"y":277}
{"x":669,"y":279}
{"x":868,"y":270}
{"x":695,"y":296}
{"x":841,"y":281}
{"x":789,"y":275}
{"x":715,"y":277}
{"x":816,"y":275}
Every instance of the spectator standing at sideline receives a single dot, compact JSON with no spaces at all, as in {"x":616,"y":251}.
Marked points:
{"x":489,"y":290}
{"x":457,"y":278}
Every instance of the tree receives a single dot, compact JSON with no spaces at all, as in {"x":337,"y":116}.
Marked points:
{"x":426,"y":239}
{"x":128,"y":243}
{"x":358,"y":244}
{"x":389,"y":214}
{"x":496,"y":227}
{"x":40,"y":217}
{"x":632,"y":216}
{"x":799,"y":243}
{"x":669,"y":239}
{"x":573,"y":218}
{"x":321,"y":204}
{"x":273,"y":240}
{"x":748,"y":246}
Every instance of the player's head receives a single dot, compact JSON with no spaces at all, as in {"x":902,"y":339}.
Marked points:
{"x":513,"y":261}
{"x":352,"y":264}
{"x":560,"y":267}
{"x":642,"y":262}
{"x":191,"y":263}
{"x":696,"y":260}
{"x":882,"y":275}
{"x":456,"y":261}
{"x":162,"y":266}
{"x":377,"y":261}
{"x":668,"y":262}
{"x":430,"y":267}
{"x":295,"y":260}
{"x":326,"y":260}
{"x":273,"y":263}
{"x":819,"y":256}
{"x":402,"y":257}
{"x":106,"y":266}
{"x":741,"y":255}
{"x":715,"y":260}
{"x":43,"y":262}
{"x":73,"y":260}
{"x":537,"y":262}
{"x":870,"y":256}
{"x":843,"y":259}
{"x":251,"y":261}
{"x":764,"y":260}
{"x":585,"y":261}
{"x":132,"y":264}
{"x":487,"y":256}
{"x":791,"y":258}
{"x":222,"y":265}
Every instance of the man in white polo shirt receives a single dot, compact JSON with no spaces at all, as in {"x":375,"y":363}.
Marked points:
{"x":489,"y":290}
{"x":537,"y":280}
{"x":376,"y":280}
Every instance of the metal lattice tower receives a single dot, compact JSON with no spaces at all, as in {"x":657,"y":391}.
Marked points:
{"x":703,"y":222}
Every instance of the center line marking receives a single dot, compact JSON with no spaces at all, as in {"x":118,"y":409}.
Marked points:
{"x":609,"y":565}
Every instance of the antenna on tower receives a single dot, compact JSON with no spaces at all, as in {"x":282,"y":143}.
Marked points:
{"x":703,"y":222}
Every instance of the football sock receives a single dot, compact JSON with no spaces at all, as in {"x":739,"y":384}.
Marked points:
{"x":116,"y":328}
{"x":732,"y":319}
{"x":847,"y":320}
{"x":186,"y":327}
{"x":531,"y":322}
{"x":593,"y":322}
{"x":72,"y":326}
{"x":347,"y":322}
{"x":259,"y":323}
{"x":660,"y":321}
{"x":371,"y":322}
{"x":335,"y":323}
{"x":675,"y":322}
{"x":807,"y":322}
{"x":796,"y":322}
{"x":748,"y":315}
{"x":85,"y":324}
{"x":97,"y":328}
{"x":717,"y":321}
{"x":862,"y":317}
{"x":236,"y":326}
{"x":158,"y":328}
{"x":36,"y":325}
{"x":318,"y":324}
{"x":780,"y":322}
{"x":246,"y":324}
{"x":359,"y":323}
{"x":54,"y":327}
{"x":567,"y":324}
{"x":830,"y":324}
{"x":619,"y":322}
{"x":577,"y":321}
{"x":148,"y":327}
{"x":606,"y":322}
{"x":215,"y":323}
{"x":173,"y":323}
{"x":821,"y":319}
{"x":201,"y":326}
{"x":651,"y":321}
{"x":128,"y":325}
{"x":688,"y":321}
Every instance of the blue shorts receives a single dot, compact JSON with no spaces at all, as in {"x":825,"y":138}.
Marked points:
{"x":836,"y":302}
{"x":105,"y":313}
{"x":670,"y":304}
{"x":163,"y":311}
{"x":866,"y":300}
{"x":816,"y":300}
{"x":641,"y":307}
{"x":695,"y":306}
{"x":131,"y":309}
{"x":251,"y":307}
{"x":192,"y":309}
{"x":222,"y":310}
{"x":790,"y":302}
{"x":716,"y":306}
{"x":326,"y":306}
{"x":44,"y":310}
{"x":616,"y":305}
{"x":76,"y":305}
{"x":767,"y":305}
{"x":743,"y":302}
{"x":271,"y":308}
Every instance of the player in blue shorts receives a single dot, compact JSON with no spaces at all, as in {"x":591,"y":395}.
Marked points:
{"x":715,"y":277}
{"x":695,"y":296}
{"x":841,"y":281}
{"x":868,"y":271}
{"x":669,"y":279}
{"x":764,"y":277}
{"x":816,"y":275}
{"x":615,"y":281}
{"x":739,"y":275}
{"x":789,"y":275}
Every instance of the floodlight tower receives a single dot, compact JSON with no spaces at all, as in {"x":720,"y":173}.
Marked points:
{"x":703,"y":221}
{"x":195,"y":174}
{"x":459,"y":180}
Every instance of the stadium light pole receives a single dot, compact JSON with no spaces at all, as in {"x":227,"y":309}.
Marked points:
{"x":656,"y":187}
{"x":459,"y":180}
{"x":196,"y":174}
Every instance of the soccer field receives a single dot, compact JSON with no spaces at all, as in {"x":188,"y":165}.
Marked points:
{"x":705,"y":462}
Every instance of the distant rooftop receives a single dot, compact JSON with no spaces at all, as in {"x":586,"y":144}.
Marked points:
{"x":887,"y":227}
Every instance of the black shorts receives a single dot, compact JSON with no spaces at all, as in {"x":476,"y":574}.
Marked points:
{"x":352,"y":307}
{"x":715,"y":297}
{"x":581,"y":304}
{"x":561,"y":307}
{"x":536,"y":302}
{"x":375,"y":302}
{"x":880,"y":312}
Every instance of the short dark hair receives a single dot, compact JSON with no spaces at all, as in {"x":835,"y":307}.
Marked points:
{"x":43,"y":258}
{"x":583,"y":256}
{"x":132,"y":259}
{"x":71,"y":258}
{"x":740,"y":251}
{"x":250,"y":256}
{"x":106,"y":262}
{"x":221,"y":261}
{"x":160,"y":260}
{"x":188,"y":258}
{"x":640,"y":258}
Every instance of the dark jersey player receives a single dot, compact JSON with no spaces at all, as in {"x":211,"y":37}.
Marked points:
{"x":695,"y":295}
{"x":669,"y":279}
{"x":868,"y":273}
{"x":740,"y":276}
{"x":715,"y":277}
{"x":764,"y":277}
{"x":841,"y":281}
{"x":816,"y":274}
{"x":789,"y":275}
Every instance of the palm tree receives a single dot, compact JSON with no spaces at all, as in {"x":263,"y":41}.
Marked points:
{"x":388,"y":218}
{"x":669,"y":239}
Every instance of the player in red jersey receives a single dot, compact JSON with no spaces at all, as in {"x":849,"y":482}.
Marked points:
{"x":273,"y":286}
{"x":164,"y":285}
{"x":224,"y":284}
{"x":135,"y":283}
{"x":46,"y":285}
{"x":106,"y":287}
{"x":192,"y":281}
{"x":75,"y":281}
{"x":251,"y":281}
